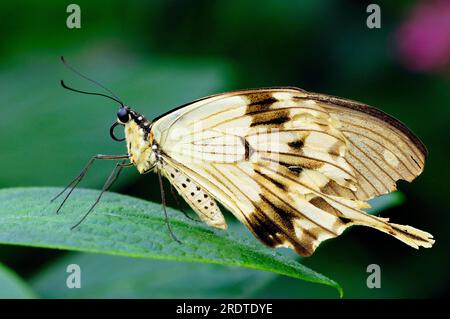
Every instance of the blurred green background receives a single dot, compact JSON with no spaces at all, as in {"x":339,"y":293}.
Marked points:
{"x":159,"y":54}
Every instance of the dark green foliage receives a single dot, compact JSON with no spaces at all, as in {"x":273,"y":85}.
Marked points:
{"x":160,"y":54}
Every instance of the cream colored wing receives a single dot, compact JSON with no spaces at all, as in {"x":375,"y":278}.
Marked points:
{"x":281,"y":162}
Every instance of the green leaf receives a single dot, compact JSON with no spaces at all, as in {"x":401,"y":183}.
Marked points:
{"x":142,"y":278}
{"x":127,"y":226}
{"x":383,"y":202}
{"x":12,"y":286}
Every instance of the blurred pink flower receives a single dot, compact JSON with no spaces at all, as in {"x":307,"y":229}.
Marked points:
{"x":423,"y":41}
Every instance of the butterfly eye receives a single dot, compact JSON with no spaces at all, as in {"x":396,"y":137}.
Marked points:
{"x":123,"y":115}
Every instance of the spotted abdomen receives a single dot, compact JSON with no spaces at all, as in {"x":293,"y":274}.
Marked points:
{"x":200,"y":201}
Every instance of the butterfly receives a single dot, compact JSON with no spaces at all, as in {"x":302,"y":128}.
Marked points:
{"x":296,"y":168}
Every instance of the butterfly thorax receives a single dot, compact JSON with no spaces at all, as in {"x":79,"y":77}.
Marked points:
{"x":139,"y":142}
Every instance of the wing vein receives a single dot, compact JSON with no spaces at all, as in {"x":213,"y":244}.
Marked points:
{"x":376,"y":142}
{"x":264,"y":111}
{"x":286,"y":203}
{"x":301,"y":130}
{"x":389,"y":140}
{"x":307,"y":157}
{"x":316,"y":192}
{"x":376,"y":164}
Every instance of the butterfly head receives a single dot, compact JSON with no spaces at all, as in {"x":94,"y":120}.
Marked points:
{"x":138,"y":138}
{"x":141,"y":150}
{"x":131,"y":120}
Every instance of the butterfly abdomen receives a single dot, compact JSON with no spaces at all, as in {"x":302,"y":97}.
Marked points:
{"x":200,"y":201}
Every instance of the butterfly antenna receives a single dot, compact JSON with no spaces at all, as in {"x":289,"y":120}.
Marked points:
{"x":67,"y":65}
{"x":64,"y":85}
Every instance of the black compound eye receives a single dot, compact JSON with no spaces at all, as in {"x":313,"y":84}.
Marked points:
{"x":123,"y":115}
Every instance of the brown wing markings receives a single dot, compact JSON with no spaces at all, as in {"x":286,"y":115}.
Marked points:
{"x":299,"y":130}
{"x":286,"y":108}
{"x":400,"y":158}
{"x":244,"y":93}
{"x":270,"y":237}
{"x":413,"y":150}
{"x":333,"y":102}
{"x":258,"y":101}
{"x":287,"y":228}
{"x":369,"y":170}
{"x":322,"y":204}
{"x":394,"y":179}
{"x":277,"y":117}
{"x":249,"y":150}
{"x":253,"y":107}
{"x":251,"y":224}
{"x":270,"y":179}
{"x":376,"y":164}
{"x":264,"y":176}
{"x":375,"y":222}
{"x":287,"y":165}
{"x":330,"y":186}
{"x":297,"y":144}
{"x":302,"y":247}
{"x":341,"y":191}
{"x":314,"y":191}
{"x":385,"y":139}
{"x":310,"y":165}
{"x":265,"y":110}
{"x":350,"y":154}
{"x":308,"y":158}
{"x":410,"y":151}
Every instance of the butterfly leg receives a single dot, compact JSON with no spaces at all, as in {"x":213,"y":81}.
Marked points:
{"x":175,"y":197}
{"x":80,"y":176}
{"x":163,"y":200}
{"x":111,"y":179}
